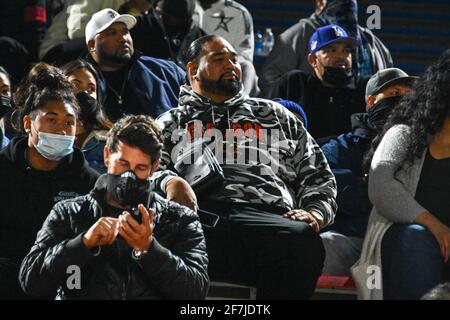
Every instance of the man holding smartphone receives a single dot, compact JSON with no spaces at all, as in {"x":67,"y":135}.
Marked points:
{"x":160,"y":256}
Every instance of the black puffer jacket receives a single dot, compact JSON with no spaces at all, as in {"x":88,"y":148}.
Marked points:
{"x":174,"y":268}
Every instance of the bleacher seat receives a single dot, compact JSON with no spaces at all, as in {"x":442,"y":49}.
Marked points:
{"x":230,"y":291}
{"x":331,"y":287}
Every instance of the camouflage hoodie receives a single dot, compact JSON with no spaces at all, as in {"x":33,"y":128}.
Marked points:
{"x":273,"y":160}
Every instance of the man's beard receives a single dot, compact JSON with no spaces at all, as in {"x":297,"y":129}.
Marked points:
{"x":115,"y":58}
{"x":222,"y":87}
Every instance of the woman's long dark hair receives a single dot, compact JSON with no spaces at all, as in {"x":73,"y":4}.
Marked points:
{"x":423,"y":110}
{"x":98,"y":120}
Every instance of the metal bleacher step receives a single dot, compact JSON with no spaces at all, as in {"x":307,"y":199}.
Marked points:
{"x":332,"y":287}
{"x":329,"y":287}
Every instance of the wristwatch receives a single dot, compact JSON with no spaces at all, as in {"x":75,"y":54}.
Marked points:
{"x":138,"y":254}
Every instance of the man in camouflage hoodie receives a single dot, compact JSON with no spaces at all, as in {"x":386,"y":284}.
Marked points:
{"x":278,"y":190}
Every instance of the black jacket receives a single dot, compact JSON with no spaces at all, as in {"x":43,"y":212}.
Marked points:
{"x":345,"y":156}
{"x":328,"y":109}
{"x":292,"y":48}
{"x":174,"y":268}
{"x":27,"y":195}
{"x":152,"y":87}
{"x":152,"y":37}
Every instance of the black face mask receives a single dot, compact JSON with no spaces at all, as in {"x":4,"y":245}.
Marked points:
{"x":88,"y":107}
{"x":338,"y":77}
{"x":127,"y":189}
{"x":5,"y":105}
{"x":379,"y":113}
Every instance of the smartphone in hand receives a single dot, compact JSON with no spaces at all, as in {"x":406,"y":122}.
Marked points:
{"x":136,"y":214}
{"x":208,"y":219}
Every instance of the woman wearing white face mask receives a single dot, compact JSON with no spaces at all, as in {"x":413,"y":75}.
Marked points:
{"x":39,"y":168}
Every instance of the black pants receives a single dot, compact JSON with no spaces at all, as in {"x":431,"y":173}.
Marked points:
{"x":256,"y":246}
{"x":9,"y":281}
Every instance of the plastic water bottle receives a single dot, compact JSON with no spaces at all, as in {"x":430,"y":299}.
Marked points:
{"x":259,"y":43}
{"x":268,"y":41}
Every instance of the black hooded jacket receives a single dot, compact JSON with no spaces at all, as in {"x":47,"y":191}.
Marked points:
{"x":292,"y":48}
{"x":328,"y":109}
{"x":27,"y":195}
{"x":175,"y":266}
{"x":345,"y":155}
{"x":152,"y":37}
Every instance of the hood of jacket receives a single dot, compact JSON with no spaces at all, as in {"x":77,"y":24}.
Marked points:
{"x":361,"y":125}
{"x":71,"y":164}
{"x":189,"y":98}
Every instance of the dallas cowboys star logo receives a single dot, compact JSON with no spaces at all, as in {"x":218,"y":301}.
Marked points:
{"x":223,"y":24}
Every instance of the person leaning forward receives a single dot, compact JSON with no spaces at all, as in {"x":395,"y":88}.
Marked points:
{"x":128,"y":242}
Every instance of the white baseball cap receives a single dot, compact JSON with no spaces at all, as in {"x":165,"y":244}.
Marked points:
{"x":103,"y":19}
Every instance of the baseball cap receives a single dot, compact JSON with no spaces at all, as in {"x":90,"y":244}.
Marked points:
{"x":102,"y":19}
{"x":327,"y":35}
{"x":386,"y":78}
{"x":295,"y":108}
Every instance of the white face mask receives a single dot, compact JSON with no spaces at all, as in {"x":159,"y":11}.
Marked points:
{"x":54,"y":146}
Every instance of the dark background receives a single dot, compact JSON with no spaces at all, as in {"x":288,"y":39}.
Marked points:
{"x":415,"y":32}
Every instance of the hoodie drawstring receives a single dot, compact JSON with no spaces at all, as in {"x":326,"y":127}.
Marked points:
{"x":213,"y":115}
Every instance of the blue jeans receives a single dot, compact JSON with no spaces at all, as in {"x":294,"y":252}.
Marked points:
{"x":341,"y":252}
{"x":412,"y":263}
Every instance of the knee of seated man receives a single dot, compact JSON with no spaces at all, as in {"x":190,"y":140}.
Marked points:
{"x":302,"y":231}
{"x":306,"y":244}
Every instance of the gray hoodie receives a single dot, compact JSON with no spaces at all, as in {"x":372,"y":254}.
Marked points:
{"x":290,"y":172}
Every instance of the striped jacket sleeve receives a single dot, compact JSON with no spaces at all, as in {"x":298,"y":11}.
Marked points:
{"x":315,"y":184}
